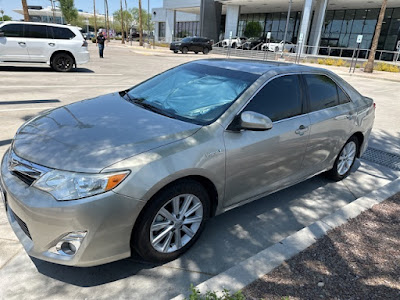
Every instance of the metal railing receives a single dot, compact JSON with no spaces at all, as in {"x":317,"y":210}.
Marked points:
{"x":320,"y":51}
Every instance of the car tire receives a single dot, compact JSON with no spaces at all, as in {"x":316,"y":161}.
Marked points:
{"x":62,"y":62}
{"x":185,"y":50}
{"x":234,"y":45}
{"x":206,"y":50}
{"x":175,"y":51}
{"x":276,"y":49}
{"x":147,"y":239}
{"x":345,"y":160}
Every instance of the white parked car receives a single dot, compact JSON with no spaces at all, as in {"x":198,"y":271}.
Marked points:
{"x":60,"y":46}
{"x":234,"y":42}
{"x":277,"y":47}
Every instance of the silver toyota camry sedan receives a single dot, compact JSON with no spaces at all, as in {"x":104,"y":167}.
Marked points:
{"x":143,"y":169}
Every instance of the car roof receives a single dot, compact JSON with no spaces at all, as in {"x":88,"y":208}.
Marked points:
{"x":257,"y":67}
{"x":39,"y":23}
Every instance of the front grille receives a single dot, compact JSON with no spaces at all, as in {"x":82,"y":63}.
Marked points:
{"x":25,"y":170}
{"x":24,"y":177}
{"x":22,"y":224}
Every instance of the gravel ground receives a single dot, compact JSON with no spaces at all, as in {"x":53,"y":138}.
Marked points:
{"x":358,"y":260}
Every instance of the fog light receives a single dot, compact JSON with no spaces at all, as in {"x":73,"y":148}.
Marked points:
{"x":69,"y":244}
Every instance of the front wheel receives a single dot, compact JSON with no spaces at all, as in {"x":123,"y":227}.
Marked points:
{"x":206,"y":50}
{"x":172,"y":222}
{"x":62,"y":62}
{"x":345,"y":160}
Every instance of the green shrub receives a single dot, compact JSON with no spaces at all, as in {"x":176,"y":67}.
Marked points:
{"x":253,"y":29}
{"x":226,"y":295}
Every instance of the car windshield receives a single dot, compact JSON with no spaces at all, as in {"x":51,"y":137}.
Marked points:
{"x":193,"y":92}
{"x":186,"y":40}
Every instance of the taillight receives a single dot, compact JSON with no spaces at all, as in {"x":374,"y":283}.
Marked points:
{"x":374,"y":105}
{"x":85,"y":44}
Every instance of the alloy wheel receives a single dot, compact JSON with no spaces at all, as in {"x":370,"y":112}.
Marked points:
{"x":346,"y":158}
{"x":176,"y":223}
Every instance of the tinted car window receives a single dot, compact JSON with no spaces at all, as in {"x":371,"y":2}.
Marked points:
{"x":279,"y":99}
{"x":322,"y":91}
{"x":187,"y":40}
{"x":343,"y":98}
{"x":36,"y":31}
{"x":13,"y":30}
{"x":60,"y":33}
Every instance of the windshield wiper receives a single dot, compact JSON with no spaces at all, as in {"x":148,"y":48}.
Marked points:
{"x":139,"y":102}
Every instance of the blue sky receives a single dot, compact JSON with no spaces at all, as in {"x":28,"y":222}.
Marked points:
{"x":85,"y":5}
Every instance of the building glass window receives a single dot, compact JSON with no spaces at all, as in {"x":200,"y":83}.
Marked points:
{"x":161,"y":29}
{"x":184,"y":29}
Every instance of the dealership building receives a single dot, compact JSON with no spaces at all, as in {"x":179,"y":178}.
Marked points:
{"x":334,"y":23}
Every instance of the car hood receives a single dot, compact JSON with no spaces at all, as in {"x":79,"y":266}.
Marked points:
{"x":89,"y":135}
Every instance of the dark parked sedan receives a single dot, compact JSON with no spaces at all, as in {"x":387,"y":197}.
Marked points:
{"x":195,"y":44}
{"x":253,"y":42}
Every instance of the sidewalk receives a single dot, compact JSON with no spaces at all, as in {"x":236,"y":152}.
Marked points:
{"x":358,"y":260}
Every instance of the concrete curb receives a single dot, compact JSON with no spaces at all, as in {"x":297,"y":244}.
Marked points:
{"x":254,"y":267}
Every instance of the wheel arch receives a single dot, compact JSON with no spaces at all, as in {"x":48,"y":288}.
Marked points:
{"x":204,"y":181}
{"x":61,"y":51}
{"x":360,"y":137}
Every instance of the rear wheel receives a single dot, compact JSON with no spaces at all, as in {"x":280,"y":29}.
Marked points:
{"x":62,"y":62}
{"x":345,"y":160}
{"x":185,"y":50}
{"x":276,"y":49}
{"x":206,"y":50}
{"x":172,"y":222}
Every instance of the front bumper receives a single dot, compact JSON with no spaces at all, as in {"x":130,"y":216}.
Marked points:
{"x":174,"y":47}
{"x":40,"y":221}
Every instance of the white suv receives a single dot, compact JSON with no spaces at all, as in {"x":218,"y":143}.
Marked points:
{"x":60,"y":46}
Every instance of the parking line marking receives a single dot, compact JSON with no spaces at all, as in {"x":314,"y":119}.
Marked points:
{"x":64,"y":86}
{"x":27,"y":108}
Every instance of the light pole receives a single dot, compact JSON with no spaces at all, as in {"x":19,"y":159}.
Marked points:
{"x":286,"y":28}
{"x":2,"y":15}
{"x":148,"y":22}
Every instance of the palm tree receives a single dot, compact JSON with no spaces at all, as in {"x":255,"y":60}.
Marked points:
{"x":26,"y":13}
{"x":126,"y":23}
{"x":95,"y":20}
{"x":107,"y":19}
{"x":369,"y":68}
{"x":140,"y":24}
{"x":122,"y":23}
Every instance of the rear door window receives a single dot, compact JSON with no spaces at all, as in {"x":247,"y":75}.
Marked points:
{"x":343,"y":98}
{"x":36,"y":31}
{"x":322,"y":91}
{"x":280,"y":99}
{"x":60,"y":33}
{"x":13,"y":30}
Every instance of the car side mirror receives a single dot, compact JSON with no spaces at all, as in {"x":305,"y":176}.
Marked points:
{"x":1,"y":33}
{"x":250,"y":120}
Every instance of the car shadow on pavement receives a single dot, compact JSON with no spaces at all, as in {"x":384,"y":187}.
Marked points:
{"x":228,"y":238}
{"x":39,"y":69}
{"x":91,"y":276}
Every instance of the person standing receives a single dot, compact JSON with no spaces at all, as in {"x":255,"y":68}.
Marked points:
{"x":100,"y":42}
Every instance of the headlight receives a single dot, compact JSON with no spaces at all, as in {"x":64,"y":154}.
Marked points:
{"x":70,"y":186}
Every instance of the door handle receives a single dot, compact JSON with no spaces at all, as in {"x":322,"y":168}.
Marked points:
{"x":22,"y":43}
{"x":52,"y":44}
{"x":301,"y":130}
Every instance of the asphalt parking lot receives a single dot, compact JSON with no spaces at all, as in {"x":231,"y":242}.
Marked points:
{"x":228,"y":239}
